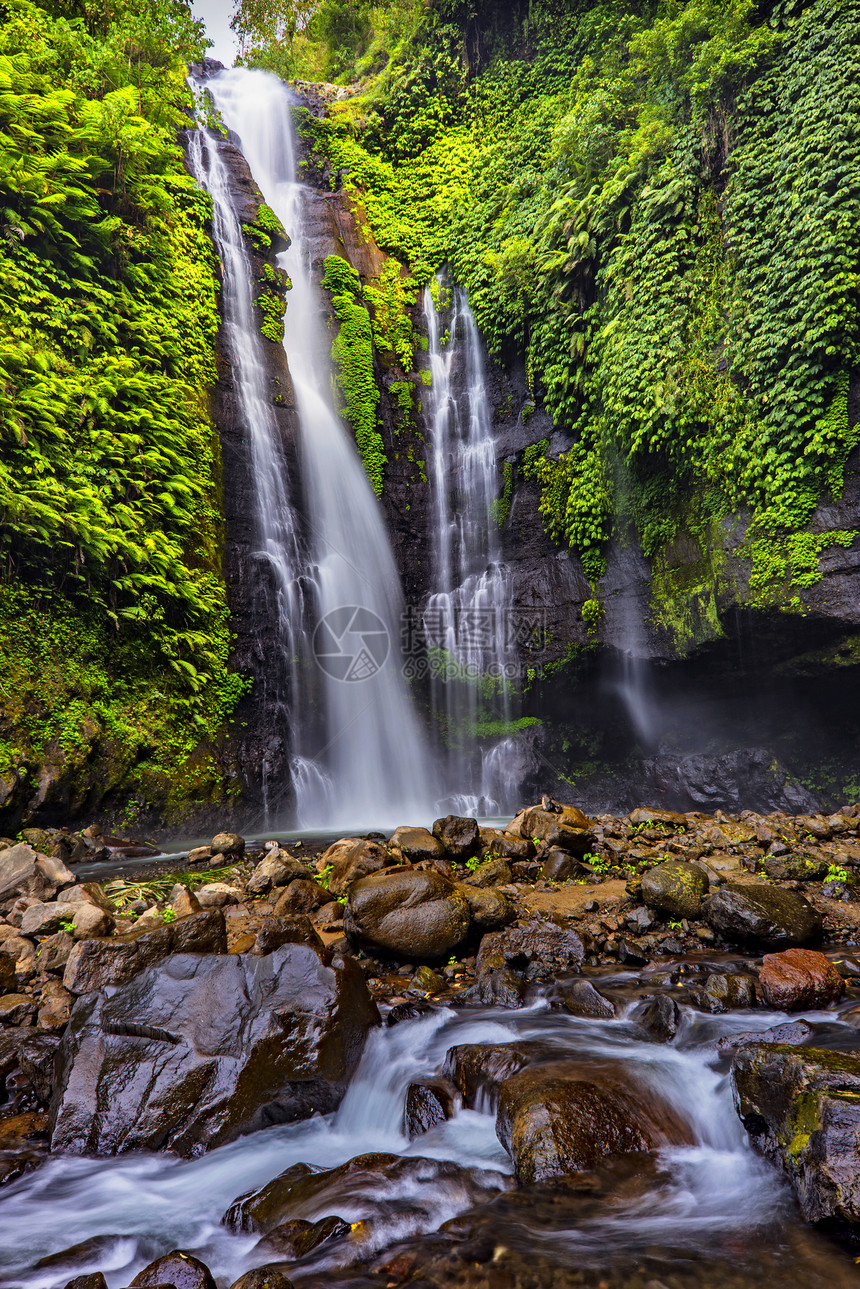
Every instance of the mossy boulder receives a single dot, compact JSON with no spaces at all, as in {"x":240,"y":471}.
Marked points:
{"x":675,"y":889}
{"x":801,"y":1108}
{"x":762,"y":915}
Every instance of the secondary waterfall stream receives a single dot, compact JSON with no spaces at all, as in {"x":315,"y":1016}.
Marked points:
{"x":363,"y":760}
{"x":468,"y":619}
{"x":708,"y":1214}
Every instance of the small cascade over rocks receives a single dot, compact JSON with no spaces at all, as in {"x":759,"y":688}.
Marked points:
{"x":358,"y":753}
{"x":469,"y":623}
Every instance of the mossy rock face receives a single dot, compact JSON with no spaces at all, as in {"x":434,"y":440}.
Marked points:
{"x":801,"y":1108}
{"x":763,"y":915}
{"x":675,"y":888}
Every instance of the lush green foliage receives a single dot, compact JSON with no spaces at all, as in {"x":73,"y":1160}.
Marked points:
{"x":659,"y":206}
{"x":352,"y":352}
{"x":109,"y":514}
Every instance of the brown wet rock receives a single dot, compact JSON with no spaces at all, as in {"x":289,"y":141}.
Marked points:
{"x":265,"y":1277}
{"x":427,"y":1104}
{"x":182,"y":1270}
{"x":553,"y":1120}
{"x":570,"y":829}
{"x":95,"y":964}
{"x":8,"y":979}
{"x":301,"y":896}
{"x":55,"y":1006}
{"x":538,"y":948}
{"x":799,"y":978}
{"x":416,"y":844}
{"x":95,"y":1280}
{"x":659,"y":1016}
{"x":478,"y":1070}
{"x":762,"y":915}
{"x":417,"y":916}
{"x":460,"y":836}
{"x":493,"y":872}
{"x":580,"y":998}
{"x":726,"y":992}
{"x":496,"y":844}
{"x":490,"y":909}
{"x":203,"y":1048}
{"x":498,"y":988}
{"x":350,"y":859}
{"x":16,"y":1009}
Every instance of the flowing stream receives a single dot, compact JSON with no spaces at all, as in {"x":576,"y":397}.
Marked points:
{"x":713,"y":1206}
{"x":468,"y":620}
{"x":361,"y":759}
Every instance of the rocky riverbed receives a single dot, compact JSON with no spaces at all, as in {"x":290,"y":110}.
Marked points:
{"x":437,"y":1057}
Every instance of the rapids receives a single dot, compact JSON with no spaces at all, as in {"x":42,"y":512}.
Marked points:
{"x":709,"y":1205}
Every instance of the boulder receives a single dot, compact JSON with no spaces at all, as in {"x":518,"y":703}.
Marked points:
{"x":478,"y":1070}
{"x":8,"y":979}
{"x":45,"y":919}
{"x":350,"y":859}
{"x":762,"y":915}
{"x":675,"y":888}
{"x":491,"y":910}
{"x":55,"y":1006}
{"x":203,"y":1048}
{"x":501,"y":987}
{"x":298,"y":1237}
{"x":427,"y":1104}
{"x":559,"y":866}
{"x":801,"y":1108}
{"x":95,"y":964}
{"x":94,"y":1280}
{"x":85,"y":893}
{"x":16,"y":1009}
{"x":394,"y":1179}
{"x":540,"y":948}
{"x":417,"y":844}
{"x":658,"y":1016}
{"x":183,"y":902}
{"x":553,"y":1120}
{"x":17,"y":867}
{"x":217,"y":895}
{"x":277,"y":931}
{"x":89,"y":920}
{"x":799,"y":978}
{"x":230,"y":844}
{"x":301,"y":896}
{"x":182,"y":1270}
{"x":493,"y":872}
{"x":504,"y":845}
{"x":273,"y":871}
{"x":570,"y":830}
{"x":420,"y":916}
{"x":460,"y":837}
{"x":723,"y":993}
{"x":580,"y":998}
{"x":265,"y":1277}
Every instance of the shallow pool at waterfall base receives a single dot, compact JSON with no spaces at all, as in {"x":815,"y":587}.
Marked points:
{"x":444,"y":1211}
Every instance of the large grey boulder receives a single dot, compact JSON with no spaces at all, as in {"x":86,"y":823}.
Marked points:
{"x":420,"y":916}
{"x":762,"y":915}
{"x":202,"y":1048}
{"x":801,"y":1108}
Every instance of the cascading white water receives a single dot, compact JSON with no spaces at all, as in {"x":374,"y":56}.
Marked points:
{"x":468,"y":621}
{"x":277,"y":523}
{"x":134,"y":1207}
{"x":371,"y":766}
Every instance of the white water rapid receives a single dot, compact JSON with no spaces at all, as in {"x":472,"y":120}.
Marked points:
{"x":713,"y":1202}
{"x":365,"y":761}
{"x":468,"y":621}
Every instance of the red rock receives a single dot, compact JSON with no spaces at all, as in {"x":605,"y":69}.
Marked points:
{"x":799,"y":978}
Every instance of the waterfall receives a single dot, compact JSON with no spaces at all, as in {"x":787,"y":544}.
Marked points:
{"x":366,"y":763}
{"x":468,"y":620}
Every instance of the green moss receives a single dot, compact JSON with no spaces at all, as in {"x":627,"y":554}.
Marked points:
{"x":502,"y":505}
{"x":352,"y":352}
{"x":273,"y":308}
{"x":265,"y":228}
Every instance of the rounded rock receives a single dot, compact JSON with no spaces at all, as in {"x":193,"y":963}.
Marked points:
{"x":675,"y":888}
{"x":419,"y":916}
{"x":765,"y":915}
{"x":182,"y":1270}
{"x":798,"y":978}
